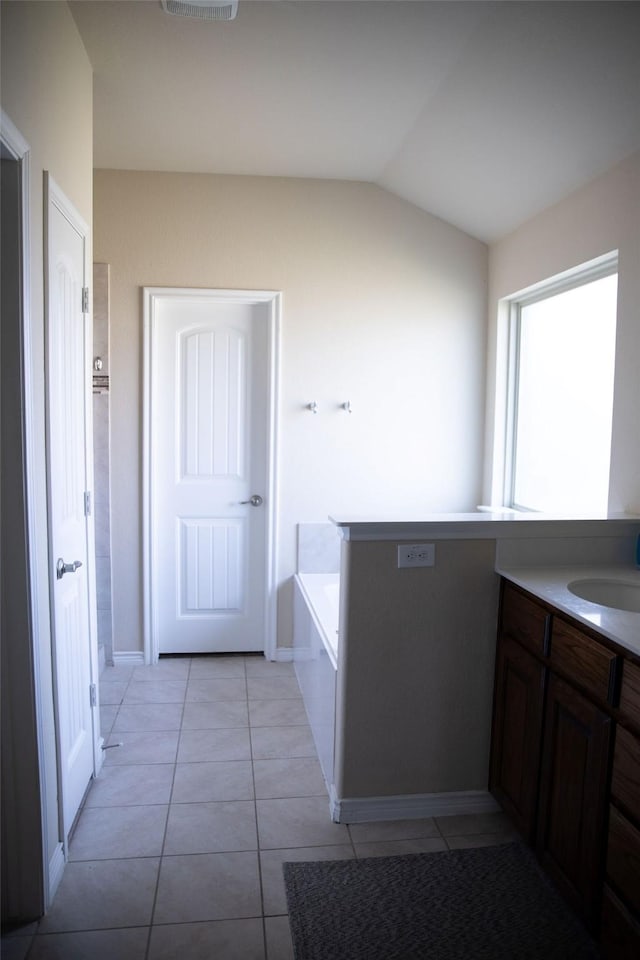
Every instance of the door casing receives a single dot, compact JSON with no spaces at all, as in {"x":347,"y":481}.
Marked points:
{"x":272,"y":301}
{"x":33,"y":860}
{"x":54,"y":197}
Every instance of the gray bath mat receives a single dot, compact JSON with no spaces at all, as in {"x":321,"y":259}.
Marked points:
{"x":491,"y":903}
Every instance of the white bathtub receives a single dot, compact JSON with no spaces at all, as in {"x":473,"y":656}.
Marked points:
{"x":321,"y":592}
{"x":315,"y":642}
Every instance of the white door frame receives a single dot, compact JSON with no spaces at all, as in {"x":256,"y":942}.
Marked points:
{"x":53,"y":195}
{"x":51,"y":867}
{"x":272,"y":299}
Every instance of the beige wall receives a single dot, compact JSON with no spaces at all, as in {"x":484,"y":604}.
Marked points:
{"x":601,"y":217}
{"x":415,"y":678}
{"x":383,"y":305}
{"x":47,"y":93}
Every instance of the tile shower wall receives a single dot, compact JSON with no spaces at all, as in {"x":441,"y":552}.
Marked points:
{"x":101,"y":458}
{"x":318,"y":548}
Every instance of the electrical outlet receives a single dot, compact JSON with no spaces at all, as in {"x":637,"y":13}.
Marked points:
{"x":416,"y":554}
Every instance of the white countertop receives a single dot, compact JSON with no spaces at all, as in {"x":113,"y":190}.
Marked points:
{"x":550,"y":584}
{"x":483,"y":525}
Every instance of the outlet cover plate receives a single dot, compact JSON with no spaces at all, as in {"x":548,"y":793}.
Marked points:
{"x":416,"y":554}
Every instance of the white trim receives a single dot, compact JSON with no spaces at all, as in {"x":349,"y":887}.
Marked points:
{"x":56,"y":869}
{"x":53,"y":192}
{"x":128,"y":658}
{"x":280,"y":655}
{"x":273,"y":387}
{"x":583,"y":273}
{"x":507,"y":359}
{"x":302,"y":654}
{"x":12,"y":138}
{"x":273,"y":300}
{"x":284,"y":655}
{"x":501,"y":525}
{"x":15,"y":143}
{"x":53,"y":196}
{"x":411,"y":807}
{"x":511,"y":364}
{"x":149,"y":655}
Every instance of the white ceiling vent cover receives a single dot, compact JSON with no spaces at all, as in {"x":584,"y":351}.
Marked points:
{"x":201,"y":9}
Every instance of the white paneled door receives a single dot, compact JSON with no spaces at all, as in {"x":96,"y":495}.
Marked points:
{"x":67,"y":346}
{"x":208,"y":424}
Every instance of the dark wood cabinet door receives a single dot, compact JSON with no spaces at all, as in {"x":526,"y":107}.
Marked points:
{"x":572,"y":801}
{"x":625,"y":776}
{"x":623,"y":860}
{"x":517,"y":734}
{"x":619,"y":932}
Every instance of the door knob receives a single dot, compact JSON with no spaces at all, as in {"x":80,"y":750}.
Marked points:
{"x":62,"y":567}
{"x":255,"y":501}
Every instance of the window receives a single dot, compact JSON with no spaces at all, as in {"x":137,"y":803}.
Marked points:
{"x":560,"y":393}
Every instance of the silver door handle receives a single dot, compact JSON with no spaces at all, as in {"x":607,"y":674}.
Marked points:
{"x":62,"y":567}
{"x":255,"y":501}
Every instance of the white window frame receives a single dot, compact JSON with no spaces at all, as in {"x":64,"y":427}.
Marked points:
{"x":507,"y":361}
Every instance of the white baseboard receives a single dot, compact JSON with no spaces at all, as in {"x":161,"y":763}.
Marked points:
{"x":135,"y":658}
{"x":56,"y":869}
{"x":410,"y":807}
{"x":284,"y":654}
{"x":128,"y":658}
{"x":303,"y":655}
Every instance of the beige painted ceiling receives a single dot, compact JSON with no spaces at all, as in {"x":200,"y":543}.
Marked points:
{"x":481,"y":113}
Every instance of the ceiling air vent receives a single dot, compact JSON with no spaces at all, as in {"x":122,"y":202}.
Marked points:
{"x":201,"y":9}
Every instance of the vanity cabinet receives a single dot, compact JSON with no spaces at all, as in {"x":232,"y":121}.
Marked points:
{"x":572,"y":794}
{"x":565,"y":760}
{"x":517,"y":733}
{"x":620,"y":933}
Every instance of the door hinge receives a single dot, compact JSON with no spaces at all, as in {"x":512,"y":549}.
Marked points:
{"x":93,"y":695}
{"x":85,"y":299}
{"x":87,"y":503}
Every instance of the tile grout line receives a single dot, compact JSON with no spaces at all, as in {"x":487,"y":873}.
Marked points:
{"x":148,"y":943}
{"x":258,"y":848}
{"x":69,"y":861}
{"x":166,"y":825}
{"x":163,"y":855}
{"x":255,"y":813}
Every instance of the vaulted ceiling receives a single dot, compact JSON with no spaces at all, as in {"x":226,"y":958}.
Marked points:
{"x":481,"y":113}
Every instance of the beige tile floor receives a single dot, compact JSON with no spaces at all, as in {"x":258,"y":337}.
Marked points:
{"x":178,"y":851}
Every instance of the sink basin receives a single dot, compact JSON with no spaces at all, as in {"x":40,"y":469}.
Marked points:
{"x":619,"y":594}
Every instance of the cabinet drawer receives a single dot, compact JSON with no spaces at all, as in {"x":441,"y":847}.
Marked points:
{"x":524,"y":620}
{"x":623,"y":859}
{"x":625,"y":780}
{"x":630,"y":693}
{"x":590,"y":664}
{"x":619,"y":933}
